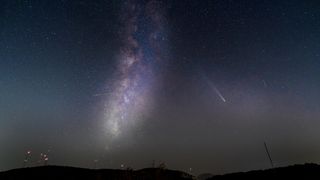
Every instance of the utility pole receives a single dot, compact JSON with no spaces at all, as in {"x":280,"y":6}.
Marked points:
{"x":267,"y":151}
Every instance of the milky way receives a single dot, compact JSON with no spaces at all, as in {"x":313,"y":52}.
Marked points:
{"x":196,"y":84}
{"x":142,"y":37}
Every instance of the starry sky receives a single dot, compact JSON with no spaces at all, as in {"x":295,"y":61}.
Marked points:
{"x":197,"y":85}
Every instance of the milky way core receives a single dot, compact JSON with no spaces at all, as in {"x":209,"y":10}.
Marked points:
{"x":142,"y":37}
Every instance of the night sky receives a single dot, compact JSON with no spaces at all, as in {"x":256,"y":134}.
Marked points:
{"x":194,"y":84}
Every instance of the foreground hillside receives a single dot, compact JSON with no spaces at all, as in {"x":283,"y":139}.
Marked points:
{"x":70,"y":173}
{"x":306,"y":171}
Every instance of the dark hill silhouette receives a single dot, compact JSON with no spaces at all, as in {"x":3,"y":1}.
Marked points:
{"x":306,"y":171}
{"x":71,"y":173}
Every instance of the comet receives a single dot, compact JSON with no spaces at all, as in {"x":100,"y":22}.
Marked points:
{"x":216,"y":90}
{"x":219,"y":94}
{"x":213,"y":87}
